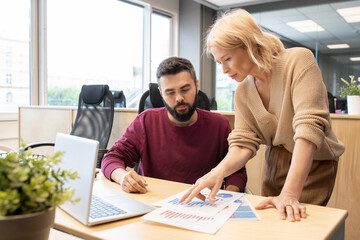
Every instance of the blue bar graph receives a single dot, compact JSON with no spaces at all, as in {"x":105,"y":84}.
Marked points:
{"x":192,"y":203}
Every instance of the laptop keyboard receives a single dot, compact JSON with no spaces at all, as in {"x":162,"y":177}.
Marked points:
{"x":100,"y":208}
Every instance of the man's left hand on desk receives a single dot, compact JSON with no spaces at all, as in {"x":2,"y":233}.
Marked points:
{"x":129,"y":181}
{"x":232,"y":188}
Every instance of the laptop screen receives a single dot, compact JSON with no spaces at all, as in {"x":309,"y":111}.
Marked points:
{"x":80,"y":155}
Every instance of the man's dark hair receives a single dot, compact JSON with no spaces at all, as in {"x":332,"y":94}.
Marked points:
{"x":175,"y":65}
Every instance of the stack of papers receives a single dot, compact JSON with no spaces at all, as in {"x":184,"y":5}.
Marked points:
{"x":199,"y":215}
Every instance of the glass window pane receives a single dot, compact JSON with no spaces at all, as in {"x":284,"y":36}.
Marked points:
{"x":94,"y":42}
{"x":14,"y":54}
{"x":160,"y":41}
{"x":225,"y":90}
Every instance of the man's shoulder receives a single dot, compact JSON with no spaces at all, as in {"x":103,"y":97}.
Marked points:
{"x":152,"y":112}
{"x":212,"y":116}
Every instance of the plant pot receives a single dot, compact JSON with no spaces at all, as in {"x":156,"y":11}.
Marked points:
{"x":353,"y":105}
{"x":32,"y":226}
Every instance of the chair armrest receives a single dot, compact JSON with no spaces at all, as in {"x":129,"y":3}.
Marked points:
{"x":5,"y":148}
{"x":38,"y":144}
{"x":103,"y":150}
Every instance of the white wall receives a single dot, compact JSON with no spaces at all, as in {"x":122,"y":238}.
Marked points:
{"x":195,"y":20}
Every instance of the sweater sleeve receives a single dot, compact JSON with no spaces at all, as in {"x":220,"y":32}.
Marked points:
{"x":238,"y":179}
{"x":311,"y":119}
{"x":126,"y":151}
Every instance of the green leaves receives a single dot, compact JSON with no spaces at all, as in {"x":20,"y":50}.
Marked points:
{"x":351,"y":88}
{"x":9,"y":201}
{"x":31,"y":184}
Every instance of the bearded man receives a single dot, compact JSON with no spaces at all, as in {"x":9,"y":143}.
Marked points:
{"x":178,"y":142}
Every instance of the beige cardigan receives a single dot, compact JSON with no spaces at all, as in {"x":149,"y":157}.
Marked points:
{"x":298,"y":108}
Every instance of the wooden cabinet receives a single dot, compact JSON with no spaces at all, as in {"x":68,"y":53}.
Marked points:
{"x":42,"y":123}
{"x":9,"y":132}
{"x":346,"y":192}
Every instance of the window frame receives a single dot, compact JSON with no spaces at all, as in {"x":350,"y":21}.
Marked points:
{"x":38,"y":47}
{"x":38,"y":69}
{"x":171,"y":31}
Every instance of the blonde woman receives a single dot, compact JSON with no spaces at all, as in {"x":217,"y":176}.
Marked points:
{"x":281,"y":101}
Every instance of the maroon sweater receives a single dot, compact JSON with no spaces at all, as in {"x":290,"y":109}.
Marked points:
{"x":165,"y":151}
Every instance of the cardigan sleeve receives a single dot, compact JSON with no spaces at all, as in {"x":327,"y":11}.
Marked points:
{"x":309,"y":97}
{"x":243,"y":135}
{"x":238,"y":178}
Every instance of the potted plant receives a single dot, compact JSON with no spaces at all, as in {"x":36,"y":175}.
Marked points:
{"x":352,"y":93}
{"x":30,"y":189}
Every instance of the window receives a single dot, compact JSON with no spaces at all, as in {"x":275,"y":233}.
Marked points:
{"x":80,"y":42}
{"x":8,"y":78}
{"x":9,"y":97}
{"x":225,"y":90}
{"x":102,"y":45}
{"x":14,"y":54}
{"x":160,"y":40}
{"x":8,"y":55}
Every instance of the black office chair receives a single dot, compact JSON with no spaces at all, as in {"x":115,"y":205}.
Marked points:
{"x":119,"y":98}
{"x":94,"y":118}
{"x":331,"y":103}
{"x":152,"y":99}
{"x":213,"y":104}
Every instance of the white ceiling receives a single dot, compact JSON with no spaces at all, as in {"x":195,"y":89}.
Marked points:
{"x":273,"y":16}
{"x":222,"y":4}
{"x":337,"y":30}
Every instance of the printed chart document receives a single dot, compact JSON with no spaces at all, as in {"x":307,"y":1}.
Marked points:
{"x":196,"y":222}
{"x":245,"y":211}
{"x":197,"y":206}
{"x":197,"y":215}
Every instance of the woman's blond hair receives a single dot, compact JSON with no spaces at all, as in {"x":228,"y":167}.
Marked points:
{"x":238,"y":29}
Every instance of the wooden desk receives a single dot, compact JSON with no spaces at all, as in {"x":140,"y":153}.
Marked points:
{"x":321,"y":223}
{"x":59,"y":235}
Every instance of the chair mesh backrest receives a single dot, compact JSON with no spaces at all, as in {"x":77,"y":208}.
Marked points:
{"x":331,"y":103}
{"x":213,"y":104}
{"x":203,"y":101}
{"x":151,"y":98}
{"x":119,"y":99}
{"x":95,"y":114}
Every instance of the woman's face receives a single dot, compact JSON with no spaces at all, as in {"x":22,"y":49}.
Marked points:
{"x":236,"y":63}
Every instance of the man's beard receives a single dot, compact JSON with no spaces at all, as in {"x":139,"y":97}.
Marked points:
{"x":182,"y":117}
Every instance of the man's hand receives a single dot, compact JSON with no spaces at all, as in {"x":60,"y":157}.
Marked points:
{"x":232,"y":188}
{"x":130,"y":182}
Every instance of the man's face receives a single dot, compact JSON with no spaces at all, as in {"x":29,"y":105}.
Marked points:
{"x":179,"y":94}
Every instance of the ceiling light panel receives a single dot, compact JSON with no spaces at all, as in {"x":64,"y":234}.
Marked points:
{"x":306,"y":26}
{"x":355,"y":59}
{"x":337,"y":46}
{"x":350,"y":15}
{"x":225,"y":3}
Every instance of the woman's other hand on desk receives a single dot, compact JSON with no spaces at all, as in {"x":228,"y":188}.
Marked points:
{"x":130,"y":182}
{"x":286,"y":205}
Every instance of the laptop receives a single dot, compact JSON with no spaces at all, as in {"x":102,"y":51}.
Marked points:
{"x":98,"y":204}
